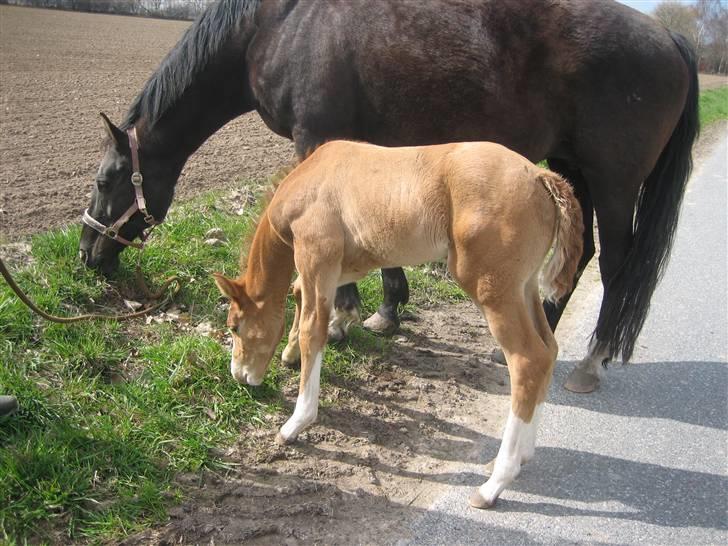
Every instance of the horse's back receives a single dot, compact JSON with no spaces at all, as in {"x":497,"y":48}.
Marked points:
{"x":403,"y":206}
{"x":526,"y":73}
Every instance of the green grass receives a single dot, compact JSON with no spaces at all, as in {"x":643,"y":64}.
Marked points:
{"x":111,"y":411}
{"x":713,"y":105}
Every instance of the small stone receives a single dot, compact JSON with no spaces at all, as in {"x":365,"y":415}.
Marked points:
{"x":205,"y":328}
{"x":133,"y":305}
{"x":214,"y":242}
{"x":215,"y":233}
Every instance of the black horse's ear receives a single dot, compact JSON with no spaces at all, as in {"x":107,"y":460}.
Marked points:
{"x":115,"y":134}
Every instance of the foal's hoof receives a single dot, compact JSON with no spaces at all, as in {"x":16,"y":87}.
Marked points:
{"x":293,"y":364}
{"x":377,"y":323}
{"x":477,"y":500}
{"x":498,"y":356}
{"x":581,"y":381}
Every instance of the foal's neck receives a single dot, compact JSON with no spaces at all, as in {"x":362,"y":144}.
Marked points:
{"x":270,"y":266}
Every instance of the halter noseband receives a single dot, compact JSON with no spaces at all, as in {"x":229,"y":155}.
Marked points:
{"x":139,"y":204}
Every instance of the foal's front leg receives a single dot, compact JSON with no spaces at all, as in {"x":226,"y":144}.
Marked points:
{"x":316,"y":304}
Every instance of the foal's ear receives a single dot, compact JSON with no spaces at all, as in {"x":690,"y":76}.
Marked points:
{"x":228,"y":287}
{"x":117,"y":136}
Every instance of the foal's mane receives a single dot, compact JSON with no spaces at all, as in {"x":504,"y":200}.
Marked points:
{"x":263,"y":203}
{"x":199,"y":44}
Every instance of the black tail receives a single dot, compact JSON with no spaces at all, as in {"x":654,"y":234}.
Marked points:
{"x":658,"y":208}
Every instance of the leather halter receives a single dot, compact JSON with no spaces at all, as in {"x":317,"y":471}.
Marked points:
{"x":139,"y":204}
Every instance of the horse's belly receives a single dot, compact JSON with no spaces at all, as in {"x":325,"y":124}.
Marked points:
{"x":415,"y":251}
{"x":388,"y":249}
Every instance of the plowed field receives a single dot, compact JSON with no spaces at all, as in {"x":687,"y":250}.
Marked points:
{"x":58,"y":70}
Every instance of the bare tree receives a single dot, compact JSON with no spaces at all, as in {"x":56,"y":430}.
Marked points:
{"x":705,"y":24}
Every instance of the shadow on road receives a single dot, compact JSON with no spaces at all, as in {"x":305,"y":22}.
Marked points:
{"x":655,"y":390}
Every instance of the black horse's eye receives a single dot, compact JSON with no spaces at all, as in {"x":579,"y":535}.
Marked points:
{"x":102,"y":184}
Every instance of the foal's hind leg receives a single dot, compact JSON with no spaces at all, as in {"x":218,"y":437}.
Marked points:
{"x":292,"y":352}
{"x":530,"y":364}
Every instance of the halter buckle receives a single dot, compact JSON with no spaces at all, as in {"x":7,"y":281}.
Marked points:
{"x":149,"y":219}
{"x":111,"y":233}
{"x":137,"y":178}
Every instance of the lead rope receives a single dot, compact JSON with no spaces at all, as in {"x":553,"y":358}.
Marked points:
{"x":90,"y":316}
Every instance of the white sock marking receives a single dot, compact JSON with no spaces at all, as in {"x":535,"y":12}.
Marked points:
{"x":508,"y":462}
{"x":528,"y":446}
{"x":306,"y":404}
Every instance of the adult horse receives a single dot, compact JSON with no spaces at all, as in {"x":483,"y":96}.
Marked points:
{"x":604,"y":93}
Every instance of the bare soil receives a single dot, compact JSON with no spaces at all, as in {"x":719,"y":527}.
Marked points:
{"x":383,"y":446}
{"x":58,"y":70}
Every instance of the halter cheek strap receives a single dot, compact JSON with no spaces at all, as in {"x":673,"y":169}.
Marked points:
{"x":139,"y":204}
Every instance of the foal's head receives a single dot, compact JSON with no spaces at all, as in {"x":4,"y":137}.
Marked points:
{"x":256,"y":327}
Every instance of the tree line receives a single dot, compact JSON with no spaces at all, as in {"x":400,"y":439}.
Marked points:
{"x":167,"y":9}
{"x":705,"y":24}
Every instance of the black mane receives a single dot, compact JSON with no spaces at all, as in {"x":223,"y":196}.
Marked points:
{"x":200,"y":43}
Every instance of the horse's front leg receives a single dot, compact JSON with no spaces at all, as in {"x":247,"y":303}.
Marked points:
{"x":396,"y":292}
{"x":316,"y":304}
{"x":346,"y":311}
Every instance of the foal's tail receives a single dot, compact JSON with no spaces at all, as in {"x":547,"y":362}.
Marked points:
{"x":557,"y":277}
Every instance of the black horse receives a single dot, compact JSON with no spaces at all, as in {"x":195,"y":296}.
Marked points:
{"x":604,"y":93}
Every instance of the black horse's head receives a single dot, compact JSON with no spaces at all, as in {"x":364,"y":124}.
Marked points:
{"x":114,"y":197}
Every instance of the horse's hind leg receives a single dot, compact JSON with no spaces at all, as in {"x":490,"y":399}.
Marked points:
{"x":530,"y":365}
{"x":396,"y":292}
{"x":615,"y":219}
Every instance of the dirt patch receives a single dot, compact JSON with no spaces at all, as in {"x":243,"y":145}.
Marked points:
{"x":711,"y":81}
{"x":382,"y":449}
{"x":58,"y":70}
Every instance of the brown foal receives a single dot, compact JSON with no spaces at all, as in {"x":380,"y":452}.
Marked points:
{"x":353,"y":207}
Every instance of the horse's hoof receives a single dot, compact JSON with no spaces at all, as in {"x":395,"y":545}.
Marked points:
{"x":582,"y":382}
{"x":291,"y":363}
{"x":291,"y":358}
{"x":380,"y":325}
{"x":336,"y":334}
{"x":498,"y":356}
{"x":477,"y":500}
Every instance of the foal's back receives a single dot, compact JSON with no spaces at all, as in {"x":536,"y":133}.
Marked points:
{"x":387,"y":207}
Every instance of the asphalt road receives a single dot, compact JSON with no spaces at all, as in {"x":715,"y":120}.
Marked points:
{"x":645,"y":458}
